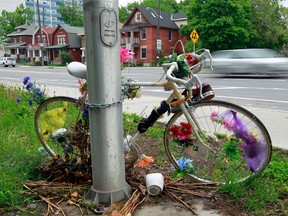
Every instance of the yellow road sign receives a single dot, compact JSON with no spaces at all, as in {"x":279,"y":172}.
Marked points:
{"x":194,"y":36}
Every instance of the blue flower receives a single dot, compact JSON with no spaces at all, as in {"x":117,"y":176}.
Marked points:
{"x":30,"y":102}
{"x":184,"y":163}
{"x":18,"y":100}
{"x":29,"y":85}
{"x":38,"y":91}
{"x":85,"y":113}
{"x":25,"y":80}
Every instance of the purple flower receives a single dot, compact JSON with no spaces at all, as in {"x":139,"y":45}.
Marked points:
{"x":18,"y":100}
{"x":30,"y":102}
{"x":38,"y":91}
{"x":26,"y":79}
{"x":29,"y":85}
{"x":85,"y":113}
{"x":254,"y":151}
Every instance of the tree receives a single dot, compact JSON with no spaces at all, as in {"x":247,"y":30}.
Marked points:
{"x":123,"y":14}
{"x":169,"y":6}
{"x":221,"y":24}
{"x":71,"y":14}
{"x":10,"y":20}
{"x":268,"y":19}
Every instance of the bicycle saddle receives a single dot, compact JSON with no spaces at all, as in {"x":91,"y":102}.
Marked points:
{"x":77,"y":69}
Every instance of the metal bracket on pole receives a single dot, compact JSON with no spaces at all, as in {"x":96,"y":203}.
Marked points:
{"x":105,"y":102}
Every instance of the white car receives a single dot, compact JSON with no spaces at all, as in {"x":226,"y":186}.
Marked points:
{"x":8,"y":61}
{"x":249,"y":61}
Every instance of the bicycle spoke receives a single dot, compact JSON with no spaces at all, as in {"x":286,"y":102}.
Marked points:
{"x":241,"y":146}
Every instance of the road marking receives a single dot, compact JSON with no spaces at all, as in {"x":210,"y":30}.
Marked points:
{"x":252,"y":88}
{"x":270,"y":80}
{"x":254,"y":99}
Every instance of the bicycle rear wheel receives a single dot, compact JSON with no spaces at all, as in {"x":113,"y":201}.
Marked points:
{"x":240,"y":146}
{"x":62,"y":127}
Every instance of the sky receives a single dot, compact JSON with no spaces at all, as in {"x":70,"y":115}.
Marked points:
{"x":10,"y":5}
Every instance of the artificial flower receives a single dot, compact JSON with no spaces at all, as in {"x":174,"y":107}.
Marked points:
{"x":191,"y":60}
{"x":144,"y":161}
{"x":82,"y":87}
{"x":182,"y":132}
{"x":214,"y":115}
{"x":185,"y":166}
{"x":125,"y":55}
{"x":253,"y":149}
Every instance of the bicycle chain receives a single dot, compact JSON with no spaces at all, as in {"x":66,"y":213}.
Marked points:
{"x":103,"y":106}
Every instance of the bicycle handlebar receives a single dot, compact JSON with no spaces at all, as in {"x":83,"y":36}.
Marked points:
{"x":196,"y":68}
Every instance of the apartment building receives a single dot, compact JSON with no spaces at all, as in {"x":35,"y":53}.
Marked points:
{"x":49,"y":11}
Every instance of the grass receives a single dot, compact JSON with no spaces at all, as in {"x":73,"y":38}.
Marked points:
{"x":20,"y":161}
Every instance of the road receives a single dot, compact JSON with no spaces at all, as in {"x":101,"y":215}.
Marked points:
{"x":266,"y":97}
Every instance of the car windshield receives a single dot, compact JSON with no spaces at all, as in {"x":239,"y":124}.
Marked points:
{"x":246,"y":53}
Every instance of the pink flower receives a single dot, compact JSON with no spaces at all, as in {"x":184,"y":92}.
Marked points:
{"x":82,"y":87}
{"x":125,"y":55}
{"x":214,"y":115}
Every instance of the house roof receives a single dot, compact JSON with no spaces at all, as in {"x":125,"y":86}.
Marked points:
{"x":48,"y":30}
{"x":16,"y":45}
{"x":151,"y":16}
{"x":178,"y":16}
{"x":23,"y":30}
{"x":58,"y":46}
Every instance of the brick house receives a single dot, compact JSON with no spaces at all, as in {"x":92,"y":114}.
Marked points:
{"x":37,"y":50}
{"x":65,"y":38}
{"x":19,"y":41}
{"x":140,"y":33}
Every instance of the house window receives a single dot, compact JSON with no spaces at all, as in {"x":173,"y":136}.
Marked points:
{"x":143,"y":34}
{"x":170,"y":36}
{"x":138,"y":17}
{"x":143,"y":51}
{"x":61,"y":39}
{"x":43,"y":39}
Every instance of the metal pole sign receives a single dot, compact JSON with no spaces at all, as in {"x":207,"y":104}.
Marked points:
{"x":105,"y":102}
{"x":194,"y":37}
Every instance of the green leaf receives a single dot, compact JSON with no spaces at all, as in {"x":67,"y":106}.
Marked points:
{"x":178,"y":174}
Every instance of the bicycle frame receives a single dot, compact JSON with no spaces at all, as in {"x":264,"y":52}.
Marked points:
{"x":180,"y":101}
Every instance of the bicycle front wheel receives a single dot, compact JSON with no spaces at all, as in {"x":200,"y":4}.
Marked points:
{"x":238,"y":144}
{"x":62,"y":126}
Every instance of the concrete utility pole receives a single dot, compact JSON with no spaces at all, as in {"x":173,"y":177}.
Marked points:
{"x":105,"y":99}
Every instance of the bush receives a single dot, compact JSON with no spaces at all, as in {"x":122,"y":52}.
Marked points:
{"x":65,"y":57}
{"x":37,"y":63}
